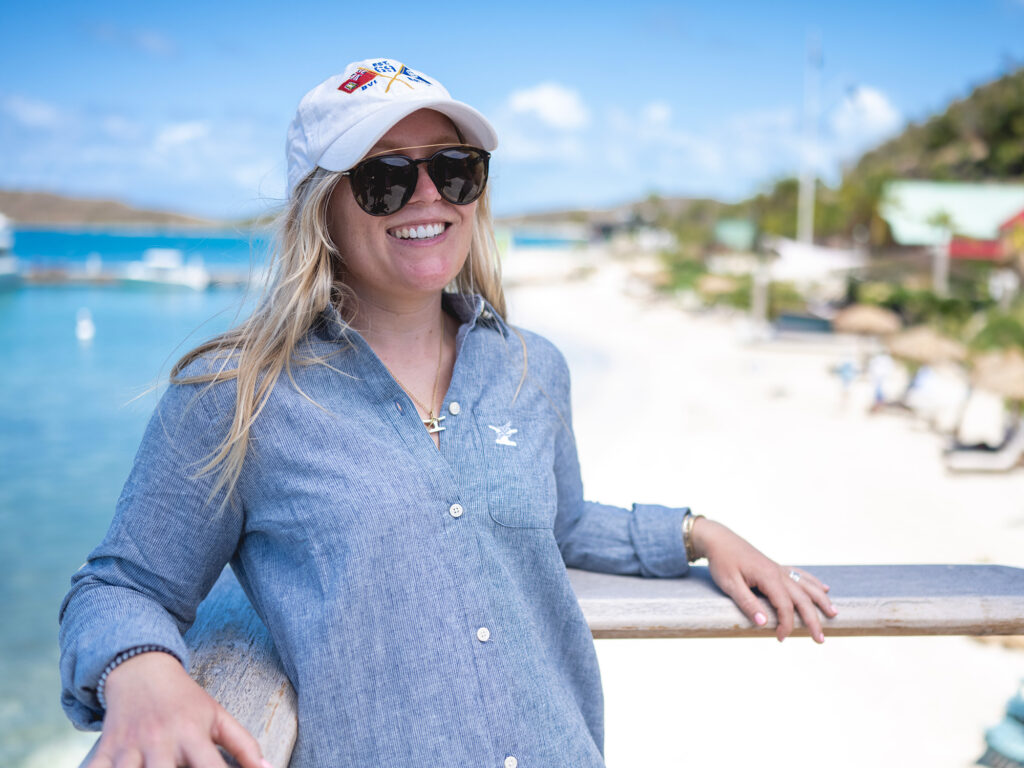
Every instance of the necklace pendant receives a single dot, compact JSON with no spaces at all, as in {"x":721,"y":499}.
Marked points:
{"x":433,"y":423}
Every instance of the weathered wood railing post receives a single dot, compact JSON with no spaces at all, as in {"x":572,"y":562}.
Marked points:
{"x":233,"y":658}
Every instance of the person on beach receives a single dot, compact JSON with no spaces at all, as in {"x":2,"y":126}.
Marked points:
{"x":389,"y":467}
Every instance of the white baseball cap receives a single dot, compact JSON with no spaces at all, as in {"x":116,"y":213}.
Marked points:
{"x":341,"y":119}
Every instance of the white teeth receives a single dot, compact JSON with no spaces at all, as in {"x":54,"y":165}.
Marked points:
{"x":421,"y":232}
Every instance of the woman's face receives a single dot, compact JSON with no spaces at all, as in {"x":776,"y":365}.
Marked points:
{"x":382,"y":266}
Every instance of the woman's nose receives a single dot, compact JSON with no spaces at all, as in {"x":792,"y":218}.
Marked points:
{"x":425,"y":191}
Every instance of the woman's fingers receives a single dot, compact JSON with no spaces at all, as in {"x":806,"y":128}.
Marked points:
{"x":817,"y":592}
{"x":745,"y":600}
{"x":129,"y":758}
{"x":807,"y":610}
{"x":778,"y":595}
{"x":230,"y":734}
{"x":202,"y":754}
{"x":161,"y":759}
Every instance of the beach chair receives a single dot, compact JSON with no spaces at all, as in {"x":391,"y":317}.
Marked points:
{"x":1001,"y":459}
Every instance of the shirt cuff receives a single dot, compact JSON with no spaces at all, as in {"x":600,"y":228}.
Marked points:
{"x":657,"y":537}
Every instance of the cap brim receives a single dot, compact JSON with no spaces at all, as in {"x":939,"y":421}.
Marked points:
{"x":349,"y":148}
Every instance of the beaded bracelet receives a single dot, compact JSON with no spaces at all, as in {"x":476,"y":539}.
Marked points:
{"x":118,"y":660}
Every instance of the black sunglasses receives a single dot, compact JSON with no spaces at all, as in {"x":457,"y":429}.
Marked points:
{"x":382,"y":185}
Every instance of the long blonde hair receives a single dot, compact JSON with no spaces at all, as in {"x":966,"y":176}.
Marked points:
{"x":307,"y":275}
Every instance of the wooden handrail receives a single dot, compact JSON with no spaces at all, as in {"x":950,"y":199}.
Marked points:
{"x":234,"y":659}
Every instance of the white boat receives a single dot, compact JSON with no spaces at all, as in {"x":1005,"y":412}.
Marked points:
{"x":85,"y":328}
{"x":167,"y":267}
{"x":9,"y":277}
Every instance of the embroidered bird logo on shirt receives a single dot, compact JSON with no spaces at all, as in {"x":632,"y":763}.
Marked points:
{"x":504,"y":434}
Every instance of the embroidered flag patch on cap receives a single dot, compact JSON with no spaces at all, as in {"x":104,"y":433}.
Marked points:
{"x":360,"y":78}
{"x":341,"y":119}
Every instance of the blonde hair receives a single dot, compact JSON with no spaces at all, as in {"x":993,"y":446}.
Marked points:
{"x":307,"y":274}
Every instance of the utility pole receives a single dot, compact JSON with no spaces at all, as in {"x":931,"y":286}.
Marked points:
{"x":808,"y":174}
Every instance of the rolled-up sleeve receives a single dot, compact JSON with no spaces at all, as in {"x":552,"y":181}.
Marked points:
{"x":167,"y":544}
{"x":644,"y":540}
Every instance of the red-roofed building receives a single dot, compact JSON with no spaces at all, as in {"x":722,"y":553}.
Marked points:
{"x":1008,"y":244}
{"x":969,"y":249}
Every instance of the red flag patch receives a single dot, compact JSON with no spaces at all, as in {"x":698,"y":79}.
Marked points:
{"x":358,"y":80}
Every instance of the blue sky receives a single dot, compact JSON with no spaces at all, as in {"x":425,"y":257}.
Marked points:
{"x":184,"y":105}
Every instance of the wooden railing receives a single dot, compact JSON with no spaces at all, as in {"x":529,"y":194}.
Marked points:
{"x":233,"y":658}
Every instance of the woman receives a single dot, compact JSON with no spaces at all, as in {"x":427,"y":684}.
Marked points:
{"x":390,"y":470}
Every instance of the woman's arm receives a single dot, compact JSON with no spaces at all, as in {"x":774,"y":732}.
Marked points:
{"x":166,"y":546}
{"x":647,"y":540}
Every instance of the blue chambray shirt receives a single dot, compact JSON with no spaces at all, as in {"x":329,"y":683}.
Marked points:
{"x":418,"y":597}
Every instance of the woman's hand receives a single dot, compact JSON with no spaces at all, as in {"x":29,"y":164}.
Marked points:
{"x":159,"y":717}
{"x":737,"y":567}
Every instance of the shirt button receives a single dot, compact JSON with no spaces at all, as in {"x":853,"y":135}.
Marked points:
{"x":454,"y":408}
{"x":456,"y":510}
{"x":511,"y":762}
{"x":483,"y":635}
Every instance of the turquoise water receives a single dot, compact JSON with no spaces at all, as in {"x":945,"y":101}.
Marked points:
{"x":68,"y":248}
{"x":69,"y":428}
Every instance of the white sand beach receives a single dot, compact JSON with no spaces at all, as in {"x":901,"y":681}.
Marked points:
{"x":677,"y":408}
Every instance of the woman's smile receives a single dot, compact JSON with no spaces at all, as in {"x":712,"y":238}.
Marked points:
{"x":420,"y":232}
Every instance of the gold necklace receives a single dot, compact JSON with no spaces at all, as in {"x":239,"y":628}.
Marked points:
{"x":432,"y":422}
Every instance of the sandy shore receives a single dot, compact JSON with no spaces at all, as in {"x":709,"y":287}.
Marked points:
{"x":678,"y":409}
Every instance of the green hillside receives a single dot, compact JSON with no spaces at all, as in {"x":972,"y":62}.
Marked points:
{"x":977,"y":138}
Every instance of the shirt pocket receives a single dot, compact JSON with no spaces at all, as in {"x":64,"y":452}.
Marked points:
{"x":518,"y":453}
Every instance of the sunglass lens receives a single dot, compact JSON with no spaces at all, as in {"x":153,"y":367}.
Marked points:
{"x":384,"y":185}
{"x":459,"y":174}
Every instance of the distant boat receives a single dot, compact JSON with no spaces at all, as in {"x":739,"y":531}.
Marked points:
{"x":9,"y":277}
{"x":85,"y":328}
{"x":167,"y":267}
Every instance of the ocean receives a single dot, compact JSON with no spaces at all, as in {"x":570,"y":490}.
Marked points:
{"x":71,"y":417}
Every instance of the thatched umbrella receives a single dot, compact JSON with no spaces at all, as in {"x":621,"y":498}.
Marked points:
{"x":924,"y":346}
{"x":716,"y":285}
{"x":1000,"y":372}
{"x":867,"y":320}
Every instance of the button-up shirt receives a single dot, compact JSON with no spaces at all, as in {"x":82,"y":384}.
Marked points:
{"x":418,"y":597}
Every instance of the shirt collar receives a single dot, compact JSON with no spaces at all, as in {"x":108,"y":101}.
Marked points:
{"x":471,"y":309}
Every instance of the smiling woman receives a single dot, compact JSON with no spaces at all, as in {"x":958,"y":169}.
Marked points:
{"x":419,"y":240}
{"x":390,"y":469}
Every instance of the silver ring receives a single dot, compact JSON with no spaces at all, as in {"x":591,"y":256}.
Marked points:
{"x":794,"y":576}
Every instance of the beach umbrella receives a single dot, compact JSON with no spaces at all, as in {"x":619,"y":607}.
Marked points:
{"x":925,"y":346}
{"x":1000,"y":372}
{"x":867,"y":320}
{"x":716,"y":285}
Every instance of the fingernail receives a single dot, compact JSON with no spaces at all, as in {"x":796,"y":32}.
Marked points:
{"x":827,"y":587}
{"x":266,"y":763}
{"x":760,"y":619}
{"x":834,"y":609}
{"x":821,"y":637}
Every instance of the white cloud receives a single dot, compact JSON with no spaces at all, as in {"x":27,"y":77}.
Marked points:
{"x":32,"y":113}
{"x":178,"y":134}
{"x":657,"y":113}
{"x":153,"y":43}
{"x":554,"y":105}
{"x":210,"y":166}
{"x":864,"y":116}
{"x":145,"y":40}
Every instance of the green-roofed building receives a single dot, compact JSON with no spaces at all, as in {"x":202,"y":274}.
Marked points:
{"x":929,"y":212}
{"x":735,"y":234}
